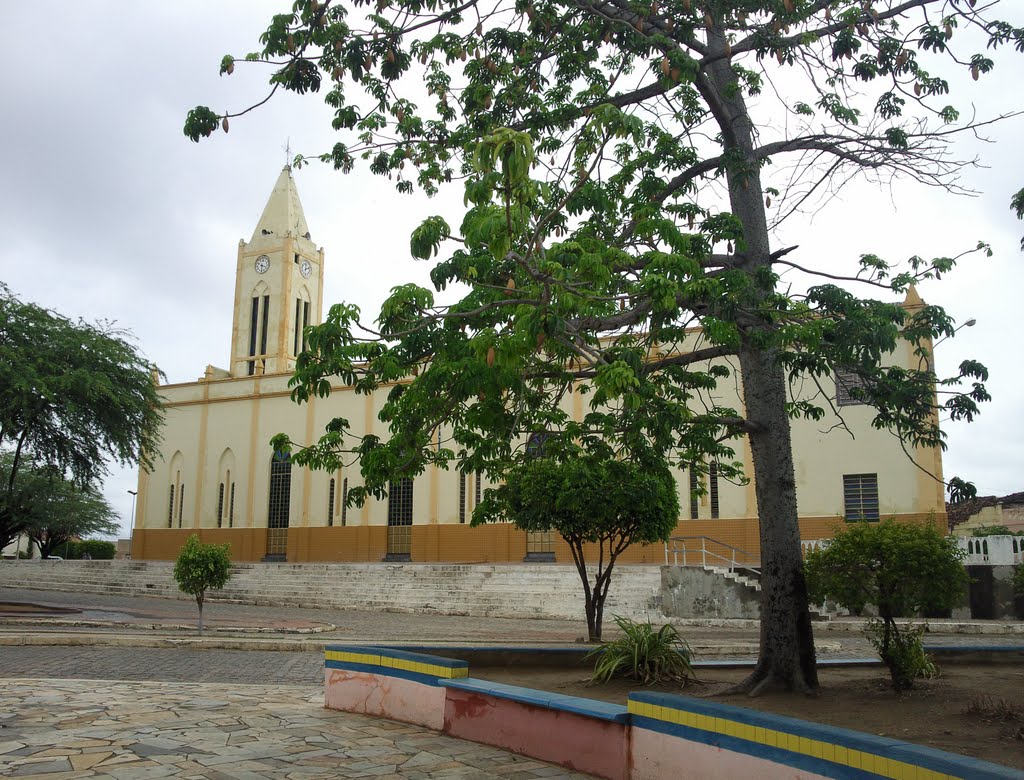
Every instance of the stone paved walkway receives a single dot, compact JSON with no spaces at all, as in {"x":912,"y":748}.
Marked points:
{"x":57,"y":729}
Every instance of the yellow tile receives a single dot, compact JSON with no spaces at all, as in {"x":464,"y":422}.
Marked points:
{"x":868,"y":761}
{"x":841,"y":755}
{"x":814,"y":748}
{"x":828,"y":751}
{"x":747,"y":732}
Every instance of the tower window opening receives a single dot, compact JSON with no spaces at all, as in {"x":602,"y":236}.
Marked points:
{"x":693,"y":493}
{"x":220,"y":506}
{"x":231,"y":507}
{"x":181,"y":503}
{"x":253,"y":325}
{"x":344,"y":501}
{"x":305,"y":322}
{"x":170,"y":509}
{"x":266,"y":322}
{"x":298,"y":325}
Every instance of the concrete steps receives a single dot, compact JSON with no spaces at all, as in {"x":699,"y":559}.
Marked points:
{"x":551,"y":591}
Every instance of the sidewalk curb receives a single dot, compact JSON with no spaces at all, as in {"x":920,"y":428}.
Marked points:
{"x":309,"y":644}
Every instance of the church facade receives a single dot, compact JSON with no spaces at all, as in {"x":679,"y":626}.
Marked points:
{"x":217,"y":476}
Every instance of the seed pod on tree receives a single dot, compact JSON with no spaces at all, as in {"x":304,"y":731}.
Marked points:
{"x":490,"y":357}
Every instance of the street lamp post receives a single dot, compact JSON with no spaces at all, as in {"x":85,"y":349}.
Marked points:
{"x":131,"y":526}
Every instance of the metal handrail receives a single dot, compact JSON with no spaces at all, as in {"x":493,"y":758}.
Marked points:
{"x":705,"y":552}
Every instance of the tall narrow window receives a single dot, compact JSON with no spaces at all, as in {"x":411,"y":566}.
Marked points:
{"x":477,"y":484}
{"x":305,"y":322}
{"x":220,"y":506}
{"x":344,"y":501}
{"x":253,"y":333}
{"x":713,"y":488}
{"x":298,"y":325}
{"x":330,"y":504}
{"x":462,"y":496}
{"x":181,"y":503}
{"x":266,"y":322}
{"x":860,"y":496}
{"x":279,"y":502}
{"x":231,"y":507}
{"x":170,"y":509}
{"x":693,"y":493}
{"x":400,"y":502}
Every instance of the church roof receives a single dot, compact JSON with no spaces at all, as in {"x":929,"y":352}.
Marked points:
{"x":283,"y":213}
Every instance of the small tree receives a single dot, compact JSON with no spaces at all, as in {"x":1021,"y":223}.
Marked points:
{"x":200,"y":567}
{"x":900,"y":568}
{"x":589,"y":500}
{"x":55,"y":510}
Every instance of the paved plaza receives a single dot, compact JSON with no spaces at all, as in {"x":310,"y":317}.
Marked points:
{"x":91,"y":698}
{"x":59,"y":729}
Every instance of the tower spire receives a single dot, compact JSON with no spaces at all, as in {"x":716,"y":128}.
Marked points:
{"x":283,"y":215}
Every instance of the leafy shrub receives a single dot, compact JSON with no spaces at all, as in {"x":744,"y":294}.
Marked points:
{"x":643,"y":654}
{"x":908,"y":660}
{"x":995,"y":530}
{"x":902,"y":569}
{"x":1018,"y":580}
{"x":97,"y":549}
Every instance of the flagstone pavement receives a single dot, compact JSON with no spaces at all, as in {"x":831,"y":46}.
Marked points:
{"x":57,"y":729}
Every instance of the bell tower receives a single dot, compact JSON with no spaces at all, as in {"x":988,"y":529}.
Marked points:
{"x":278,"y":286}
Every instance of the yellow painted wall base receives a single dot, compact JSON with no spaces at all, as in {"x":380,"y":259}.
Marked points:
{"x":454,"y":543}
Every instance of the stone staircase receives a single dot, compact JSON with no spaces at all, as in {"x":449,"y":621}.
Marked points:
{"x":545,"y":591}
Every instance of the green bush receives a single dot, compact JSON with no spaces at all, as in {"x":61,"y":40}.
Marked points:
{"x":995,"y":530}
{"x":906,"y":651}
{"x":902,"y":569}
{"x":643,"y":654}
{"x":1018,"y":580}
{"x":97,"y":549}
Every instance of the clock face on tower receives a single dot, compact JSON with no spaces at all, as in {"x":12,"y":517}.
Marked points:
{"x":305,"y":268}
{"x":262,"y":264}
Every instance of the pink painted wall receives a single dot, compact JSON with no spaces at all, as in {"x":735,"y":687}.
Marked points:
{"x":656,"y":756}
{"x":387,"y":697}
{"x":597,"y":747}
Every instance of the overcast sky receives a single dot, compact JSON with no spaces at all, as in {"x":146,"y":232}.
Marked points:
{"x":108,"y":211}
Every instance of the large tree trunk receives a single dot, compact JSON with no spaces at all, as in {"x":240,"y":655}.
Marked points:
{"x":787,"y":658}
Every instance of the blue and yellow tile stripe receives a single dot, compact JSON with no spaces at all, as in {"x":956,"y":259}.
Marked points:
{"x":825,"y":750}
{"x":396,"y":663}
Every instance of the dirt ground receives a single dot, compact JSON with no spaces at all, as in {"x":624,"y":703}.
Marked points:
{"x":934,"y":713}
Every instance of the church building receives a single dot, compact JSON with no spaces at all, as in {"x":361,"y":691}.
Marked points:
{"x":216,"y":475}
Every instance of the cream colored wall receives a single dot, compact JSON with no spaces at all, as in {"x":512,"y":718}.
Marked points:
{"x":244,"y":413}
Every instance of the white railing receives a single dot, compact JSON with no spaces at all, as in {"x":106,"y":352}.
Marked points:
{"x":695,"y":552}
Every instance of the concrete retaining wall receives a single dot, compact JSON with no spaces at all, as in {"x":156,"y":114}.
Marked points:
{"x":657,"y":736}
{"x":690,"y":592}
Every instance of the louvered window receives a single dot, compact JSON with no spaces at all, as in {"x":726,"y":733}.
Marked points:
{"x":860,"y":496}
{"x":849,"y":387}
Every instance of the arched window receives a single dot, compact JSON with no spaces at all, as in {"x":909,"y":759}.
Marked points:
{"x":170,"y":508}
{"x":344,"y":501}
{"x":400,"y":502}
{"x":713,"y":488}
{"x":220,"y":506}
{"x":462,"y":496}
{"x":694,"y":485}
{"x":258,"y":324}
{"x":330,"y":504}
